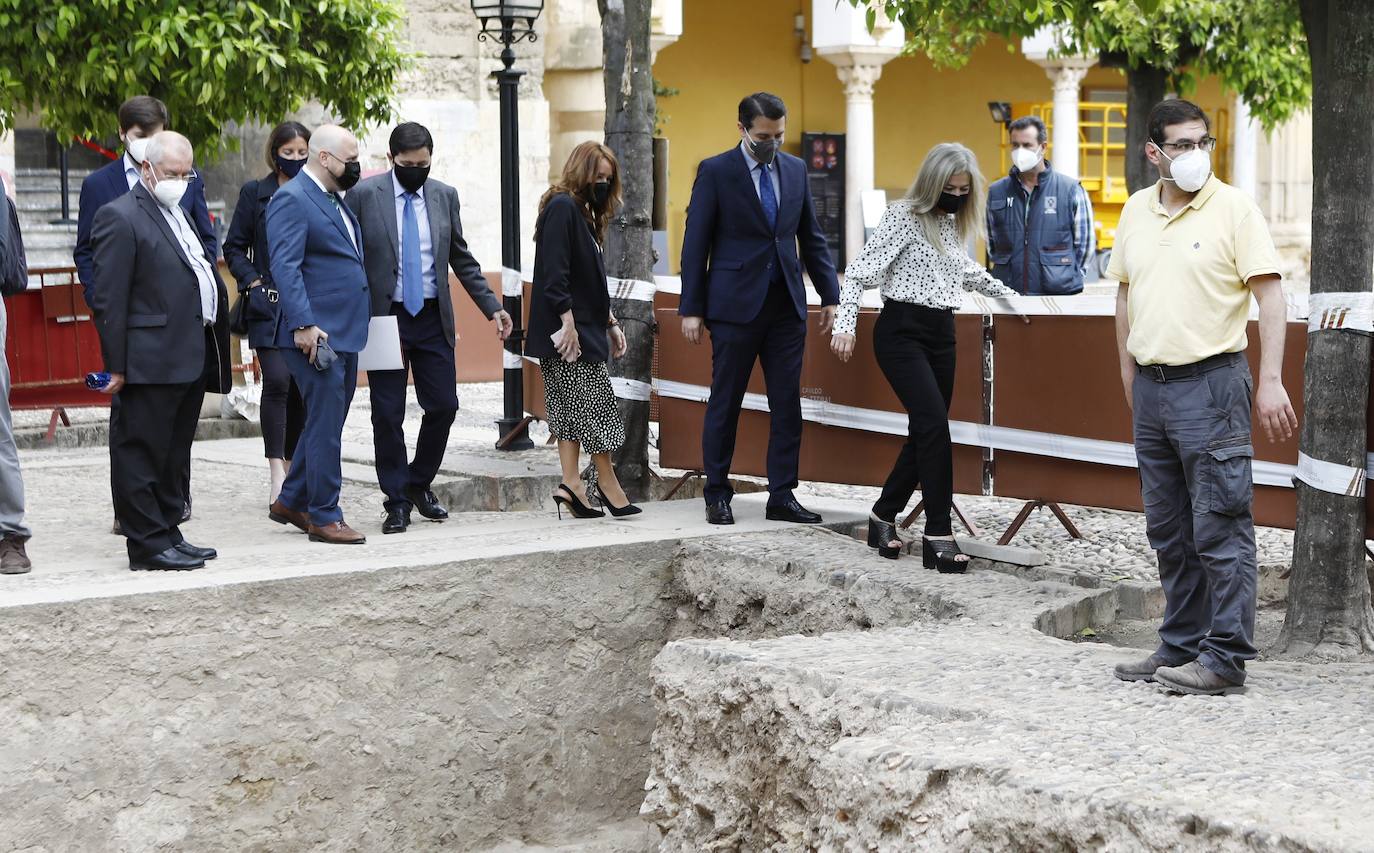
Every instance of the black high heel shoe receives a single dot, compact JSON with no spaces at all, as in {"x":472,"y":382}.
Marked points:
{"x":574,"y":505}
{"x":943,"y":556}
{"x":616,"y":511}
{"x":880,"y":534}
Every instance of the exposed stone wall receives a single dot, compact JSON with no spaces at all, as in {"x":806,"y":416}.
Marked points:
{"x":413,"y":709}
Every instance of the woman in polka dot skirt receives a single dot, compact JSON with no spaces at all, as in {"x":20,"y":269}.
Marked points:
{"x":916,"y":257}
{"x":572,"y":331}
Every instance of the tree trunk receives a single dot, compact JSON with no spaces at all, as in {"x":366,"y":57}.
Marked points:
{"x":630,"y":108}
{"x":1144,"y":89}
{"x":1329,"y":613}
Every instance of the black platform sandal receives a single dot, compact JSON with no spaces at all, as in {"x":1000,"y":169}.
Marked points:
{"x":943,"y":556}
{"x":881,"y":535}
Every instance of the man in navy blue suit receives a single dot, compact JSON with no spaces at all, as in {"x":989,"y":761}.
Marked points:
{"x":751,"y":209}
{"x":140,"y":119}
{"x":316,"y":247}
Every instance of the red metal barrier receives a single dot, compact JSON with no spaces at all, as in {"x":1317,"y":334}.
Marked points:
{"x":52,"y":344}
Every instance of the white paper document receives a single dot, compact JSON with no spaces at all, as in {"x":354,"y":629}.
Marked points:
{"x":383,"y":350}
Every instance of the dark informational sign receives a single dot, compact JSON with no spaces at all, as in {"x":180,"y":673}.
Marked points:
{"x":824,"y":156}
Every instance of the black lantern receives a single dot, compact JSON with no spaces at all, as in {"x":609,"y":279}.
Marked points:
{"x":510,"y":22}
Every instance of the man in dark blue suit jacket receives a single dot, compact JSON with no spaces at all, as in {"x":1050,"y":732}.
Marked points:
{"x":741,"y":277}
{"x":140,"y":118}
{"x":316,"y":251}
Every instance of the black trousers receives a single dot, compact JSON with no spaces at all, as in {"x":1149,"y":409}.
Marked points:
{"x":282,"y":409}
{"x":915,"y":349}
{"x":151,"y":431}
{"x":429,"y":357}
{"x":775,"y":339}
{"x":184,"y":476}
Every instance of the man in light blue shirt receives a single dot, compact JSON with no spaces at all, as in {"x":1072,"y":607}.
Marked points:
{"x":412,"y":236}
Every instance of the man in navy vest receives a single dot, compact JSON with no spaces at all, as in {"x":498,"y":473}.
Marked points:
{"x":1040,"y":223}
{"x":742,"y":278}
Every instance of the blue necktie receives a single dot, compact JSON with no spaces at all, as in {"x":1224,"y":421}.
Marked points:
{"x":412,"y":283}
{"x":768,"y":198}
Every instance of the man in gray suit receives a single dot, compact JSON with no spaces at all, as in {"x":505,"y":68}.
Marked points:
{"x":411,"y":236}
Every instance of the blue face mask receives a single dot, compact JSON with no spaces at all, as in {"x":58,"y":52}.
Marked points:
{"x":289,"y":168}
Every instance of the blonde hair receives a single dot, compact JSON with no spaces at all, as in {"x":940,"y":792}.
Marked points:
{"x":579,"y":175}
{"x":942,"y":163}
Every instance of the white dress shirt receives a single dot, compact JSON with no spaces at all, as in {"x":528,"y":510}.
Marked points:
{"x":195,"y":253}
{"x":756,"y":168}
{"x":132,"y":171}
{"x":428,"y":275}
{"x":348,"y":223}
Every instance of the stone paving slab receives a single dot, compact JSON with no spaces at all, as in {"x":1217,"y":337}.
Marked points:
{"x":75,"y":556}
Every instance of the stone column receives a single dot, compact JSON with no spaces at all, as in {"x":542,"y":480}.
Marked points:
{"x":859,"y":71}
{"x":1065,"y":72}
{"x":1244,"y":150}
{"x":1066,"y":76}
{"x":1284,"y":183}
{"x":858,"y":82}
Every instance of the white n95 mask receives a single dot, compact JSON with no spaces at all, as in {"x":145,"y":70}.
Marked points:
{"x":1190,"y":170}
{"x":1024,"y":159}
{"x":169,"y":191}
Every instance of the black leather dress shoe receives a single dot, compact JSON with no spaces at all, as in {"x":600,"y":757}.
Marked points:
{"x":427,"y":504}
{"x":194,"y":551}
{"x":397,"y":520}
{"x":719,"y":513}
{"x":794,"y":512}
{"x":170,"y":560}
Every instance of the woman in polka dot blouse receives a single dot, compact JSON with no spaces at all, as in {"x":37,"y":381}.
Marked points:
{"x":917,"y":259}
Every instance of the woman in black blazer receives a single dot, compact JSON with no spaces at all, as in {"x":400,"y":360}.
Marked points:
{"x":245,"y":250}
{"x":572,"y":331}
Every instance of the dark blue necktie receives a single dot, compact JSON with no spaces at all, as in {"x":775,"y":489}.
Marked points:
{"x":412,"y":282}
{"x":768,"y":198}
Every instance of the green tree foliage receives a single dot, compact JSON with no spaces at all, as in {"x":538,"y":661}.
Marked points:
{"x":1257,"y":49}
{"x":211,"y":61}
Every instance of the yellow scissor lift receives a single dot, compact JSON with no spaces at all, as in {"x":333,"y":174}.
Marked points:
{"x":1101,"y":160}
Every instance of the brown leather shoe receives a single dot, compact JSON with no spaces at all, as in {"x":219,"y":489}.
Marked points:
{"x":336,"y":533}
{"x":283,"y":514}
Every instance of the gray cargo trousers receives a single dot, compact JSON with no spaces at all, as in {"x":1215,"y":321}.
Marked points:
{"x":1193,"y":445}
{"x":11,"y":480}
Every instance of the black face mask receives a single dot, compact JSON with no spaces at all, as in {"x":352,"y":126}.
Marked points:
{"x":951,"y":203}
{"x":289,"y":168}
{"x":411,"y":178}
{"x":764,"y":151}
{"x":351,"y":173}
{"x":601,"y":193}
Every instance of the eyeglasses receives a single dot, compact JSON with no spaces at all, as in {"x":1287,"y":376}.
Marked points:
{"x":167,"y":176}
{"x":1206,"y":143}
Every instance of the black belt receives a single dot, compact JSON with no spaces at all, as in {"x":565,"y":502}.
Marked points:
{"x":1175,"y":372}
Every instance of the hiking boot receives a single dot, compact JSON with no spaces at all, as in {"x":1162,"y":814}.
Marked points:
{"x":13,"y":559}
{"x":1195,"y":679}
{"x":1141,"y":670}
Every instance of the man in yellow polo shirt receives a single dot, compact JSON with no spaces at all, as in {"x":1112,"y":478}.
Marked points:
{"x":1190,"y":252}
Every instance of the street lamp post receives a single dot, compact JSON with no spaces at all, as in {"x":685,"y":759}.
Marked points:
{"x":510,"y":22}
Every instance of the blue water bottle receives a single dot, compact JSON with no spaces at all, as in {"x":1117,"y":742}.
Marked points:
{"x":97,"y":381}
